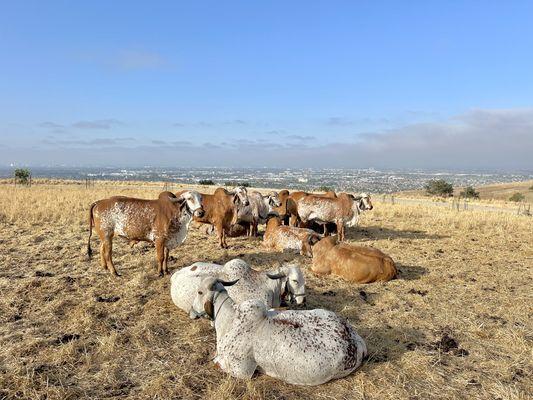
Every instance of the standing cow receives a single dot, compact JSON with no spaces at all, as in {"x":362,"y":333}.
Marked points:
{"x":164,"y":221}
{"x":341,"y":210}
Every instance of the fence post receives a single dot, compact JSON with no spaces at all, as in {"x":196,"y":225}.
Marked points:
{"x":392,"y":199}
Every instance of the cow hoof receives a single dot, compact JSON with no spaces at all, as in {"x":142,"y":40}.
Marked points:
{"x":161,"y":274}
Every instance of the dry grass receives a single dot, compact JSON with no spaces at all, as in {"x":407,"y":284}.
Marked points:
{"x":463,"y":275}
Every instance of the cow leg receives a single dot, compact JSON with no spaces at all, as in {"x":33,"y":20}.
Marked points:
{"x":326,"y":230}
{"x":293,"y":220}
{"x":108,"y":250}
{"x":160,"y":254}
{"x":165,"y":263}
{"x":320,"y":269}
{"x":221,"y":233}
{"x":103,"y":263}
{"x":340,"y":230}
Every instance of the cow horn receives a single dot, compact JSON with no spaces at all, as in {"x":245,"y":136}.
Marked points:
{"x":226,"y":283}
{"x":275,"y":276}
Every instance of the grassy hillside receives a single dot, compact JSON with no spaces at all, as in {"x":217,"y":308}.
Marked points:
{"x":455,"y":324}
{"x":500,"y":191}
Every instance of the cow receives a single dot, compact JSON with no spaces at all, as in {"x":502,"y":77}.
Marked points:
{"x":281,"y":237}
{"x":164,"y":222}
{"x":300,"y":347}
{"x":257,"y":211}
{"x":273,"y":288}
{"x":292,"y":205}
{"x":342,"y":210}
{"x":283,"y":197}
{"x":358,"y":264}
{"x":221,"y":210}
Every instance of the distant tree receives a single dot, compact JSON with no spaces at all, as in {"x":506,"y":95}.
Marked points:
{"x":470,"y":193}
{"x":439,"y":187}
{"x":325,"y":189}
{"x":206,"y":182}
{"x":517,"y":197}
{"x":235,"y":183}
{"x":22,"y":175}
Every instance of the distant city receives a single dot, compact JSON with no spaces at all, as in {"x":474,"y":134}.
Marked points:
{"x":371,"y":180}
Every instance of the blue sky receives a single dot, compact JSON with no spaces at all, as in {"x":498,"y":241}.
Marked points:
{"x":301,"y":83}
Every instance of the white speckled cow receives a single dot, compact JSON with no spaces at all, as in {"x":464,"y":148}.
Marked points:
{"x":257,"y":211}
{"x":343,"y":210}
{"x":282,"y":237}
{"x":299,"y":347}
{"x":164,"y":221}
{"x":269,"y":287}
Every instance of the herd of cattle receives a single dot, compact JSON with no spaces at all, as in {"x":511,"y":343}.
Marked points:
{"x":305,"y":347}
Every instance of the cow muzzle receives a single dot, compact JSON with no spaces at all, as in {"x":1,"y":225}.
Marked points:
{"x":199,"y":212}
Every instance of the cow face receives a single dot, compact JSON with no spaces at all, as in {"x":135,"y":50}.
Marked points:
{"x":296,"y":284}
{"x":365,"y":203}
{"x":193,"y":200}
{"x":292,"y":283}
{"x":240,"y":196}
{"x":204,"y":302}
{"x":273,"y":199}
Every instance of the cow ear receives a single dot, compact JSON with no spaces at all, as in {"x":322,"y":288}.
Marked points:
{"x":235,"y":199}
{"x":209,"y":309}
{"x":313,"y":239}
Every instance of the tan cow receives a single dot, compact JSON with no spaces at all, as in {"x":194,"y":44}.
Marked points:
{"x":354,"y":263}
{"x":281,"y":237}
{"x":341,"y":210}
{"x":221,"y":210}
{"x":164,"y":221}
{"x":283,"y":197}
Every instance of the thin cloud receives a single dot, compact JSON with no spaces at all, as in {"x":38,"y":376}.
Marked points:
{"x":96,"y":124}
{"x":300,"y":137}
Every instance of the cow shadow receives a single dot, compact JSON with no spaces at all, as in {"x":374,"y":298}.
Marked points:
{"x":385,"y":343}
{"x":378,"y":232}
{"x":388,"y":343}
{"x":410,"y":272}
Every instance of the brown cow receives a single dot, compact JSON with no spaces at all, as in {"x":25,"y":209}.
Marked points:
{"x":221,"y":210}
{"x":283,"y":196}
{"x":164,"y":221}
{"x":342,"y":210}
{"x":354,"y":263}
{"x":281,"y":237}
{"x":292,"y":204}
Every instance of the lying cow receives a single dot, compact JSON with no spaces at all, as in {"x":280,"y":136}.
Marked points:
{"x":281,"y":237}
{"x":164,"y":221}
{"x":299,"y":347}
{"x":257,"y":211}
{"x":221,"y":210}
{"x":270,"y":287}
{"x":354,"y":263}
{"x":342,"y":210}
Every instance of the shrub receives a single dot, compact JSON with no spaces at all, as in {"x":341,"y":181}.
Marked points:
{"x":235,"y":183}
{"x":206,"y":182}
{"x":531,"y":187}
{"x":325,"y":189}
{"x":439,"y":187}
{"x":470,"y":193}
{"x":22,"y":175}
{"x":517,"y":197}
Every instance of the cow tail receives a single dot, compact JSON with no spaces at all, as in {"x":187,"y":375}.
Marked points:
{"x":91,"y":224}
